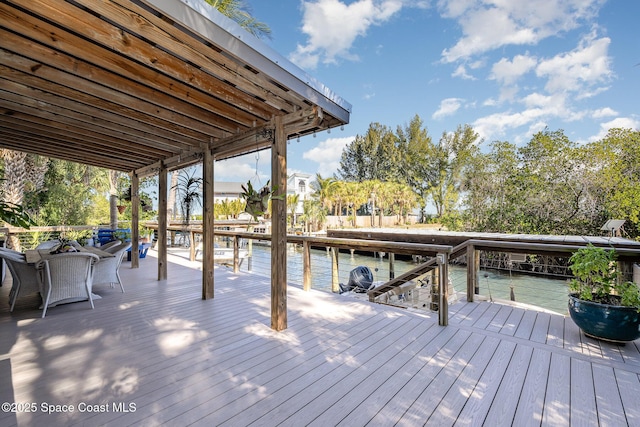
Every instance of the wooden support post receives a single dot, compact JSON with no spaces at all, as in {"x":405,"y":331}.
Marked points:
{"x":279,"y":228}
{"x":392,"y":266}
{"x":306,"y":265}
{"x":162,"y":223}
{"x":473,"y":264}
{"x":335,"y":279}
{"x":192,"y":245}
{"x":236,"y":254}
{"x":443,"y":289}
{"x":135,"y":220}
{"x":207,"y":225}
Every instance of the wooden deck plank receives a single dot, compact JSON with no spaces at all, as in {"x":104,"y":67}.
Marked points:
{"x":608,"y":402}
{"x":391,"y":412}
{"x":583,"y":399}
{"x":355,"y":400}
{"x":513,"y":322}
{"x":572,"y":336}
{"x":531,"y":404}
{"x":525,"y":327}
{"x":558,"y":392}
{"x":453,"y":402}
{"x":301,"y":385}
{"x":426,"y":403}
{"x":630,"y":352}
{"x":540,"y":332}
{"x":629,"y":388}
{"x":479,"y":311}
{"x":462,"y":313}
{"x":555,"y":336}
{"x":387,"y":392}
{"x":342,"y":361}
{"x":322,"y":412}
{"x":500,"y":319}
{"x":221,"y":391}
{"x":487,"y":316}
{"x":307,"y":392}
{"x":481,"y":398}
{"x":505,"y":401}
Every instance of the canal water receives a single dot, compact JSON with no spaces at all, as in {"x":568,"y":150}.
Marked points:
{"x":548,"y":293}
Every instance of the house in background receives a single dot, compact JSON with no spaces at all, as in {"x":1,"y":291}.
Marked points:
{"x":227,"y":191}
{"x":299,"y":184}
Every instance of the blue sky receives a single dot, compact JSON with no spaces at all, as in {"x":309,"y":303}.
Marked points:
{"x":508,"y":68}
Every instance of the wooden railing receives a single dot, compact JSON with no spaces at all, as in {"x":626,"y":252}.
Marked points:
{"x":441,"y":254}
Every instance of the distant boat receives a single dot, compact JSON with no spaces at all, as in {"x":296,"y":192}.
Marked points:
{"x":223,"y":255}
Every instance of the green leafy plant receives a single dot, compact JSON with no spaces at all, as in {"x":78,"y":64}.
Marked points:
{"x":596,"y":278}
{"x":15,"y":215}
{"x":257,"y":202}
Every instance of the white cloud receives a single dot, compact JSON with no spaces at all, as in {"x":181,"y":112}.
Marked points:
{"x":604,"y":112}
{"x":583,"y":67}
{"x":508,"y":72}
{"x":447,"y":107}
{"x":620,"y":122}
{"x":332,"y":27}
{"x":327,"y":154}
{"x":493,"y":126}
{"x":488,"y":25}
{"x":240,"y":169}
{"x":461,"y":71}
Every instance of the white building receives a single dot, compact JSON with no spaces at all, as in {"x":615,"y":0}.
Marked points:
{"x":299,"y":184}
{"x":227,"y":190}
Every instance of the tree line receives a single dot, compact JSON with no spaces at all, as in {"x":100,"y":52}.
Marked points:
{"x":550,"y":185}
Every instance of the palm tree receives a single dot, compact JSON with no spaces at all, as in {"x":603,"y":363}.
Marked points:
{"x":189,"y":193}
{"x":292,"y":204}
{"x":323,"y":190}
{"x":238,"y":11}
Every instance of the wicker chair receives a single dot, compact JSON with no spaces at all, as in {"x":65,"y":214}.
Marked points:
{"x":66,"y":278}
{"x":107,"y":270}
{"x":25,"y":276}
{"x":49,"y":244}
{"x":109,"y":245}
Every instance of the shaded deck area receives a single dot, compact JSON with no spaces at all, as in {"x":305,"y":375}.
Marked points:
{"x":169,"y":358}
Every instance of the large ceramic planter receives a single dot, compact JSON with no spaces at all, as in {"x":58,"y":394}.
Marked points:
{"x":608,"y":322}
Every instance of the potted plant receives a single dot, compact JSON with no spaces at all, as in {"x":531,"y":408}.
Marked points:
{"x":257,"y":202}
{"x":601,"y":304}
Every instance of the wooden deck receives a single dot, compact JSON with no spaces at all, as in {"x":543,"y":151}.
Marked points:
{"x":159,"y":355}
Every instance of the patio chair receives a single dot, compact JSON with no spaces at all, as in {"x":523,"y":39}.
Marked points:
{"x":111,"y":244}
{"x":66,"y":278}
{"x":25,"y":276}
{"x":107,"y":270}
{"x":49,"y":244}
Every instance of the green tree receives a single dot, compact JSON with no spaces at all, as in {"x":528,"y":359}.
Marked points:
{"x":372,"y":156}
{"x":292,"y":206}
{"x":418,"y":166}
{"x":451,"y":158}
{"x":238,"y":11}
{"x":612,"y":170}
{"x":189,"y":193}
{"x":323,"y":189}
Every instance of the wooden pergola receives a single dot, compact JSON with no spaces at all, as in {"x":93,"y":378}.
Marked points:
{"x":151,"y":86}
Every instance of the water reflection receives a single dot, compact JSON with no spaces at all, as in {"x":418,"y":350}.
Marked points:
{"x":547,"y":293}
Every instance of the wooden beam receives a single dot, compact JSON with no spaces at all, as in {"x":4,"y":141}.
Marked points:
{"x":208,"y":242}
{"x":279,"y":228}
